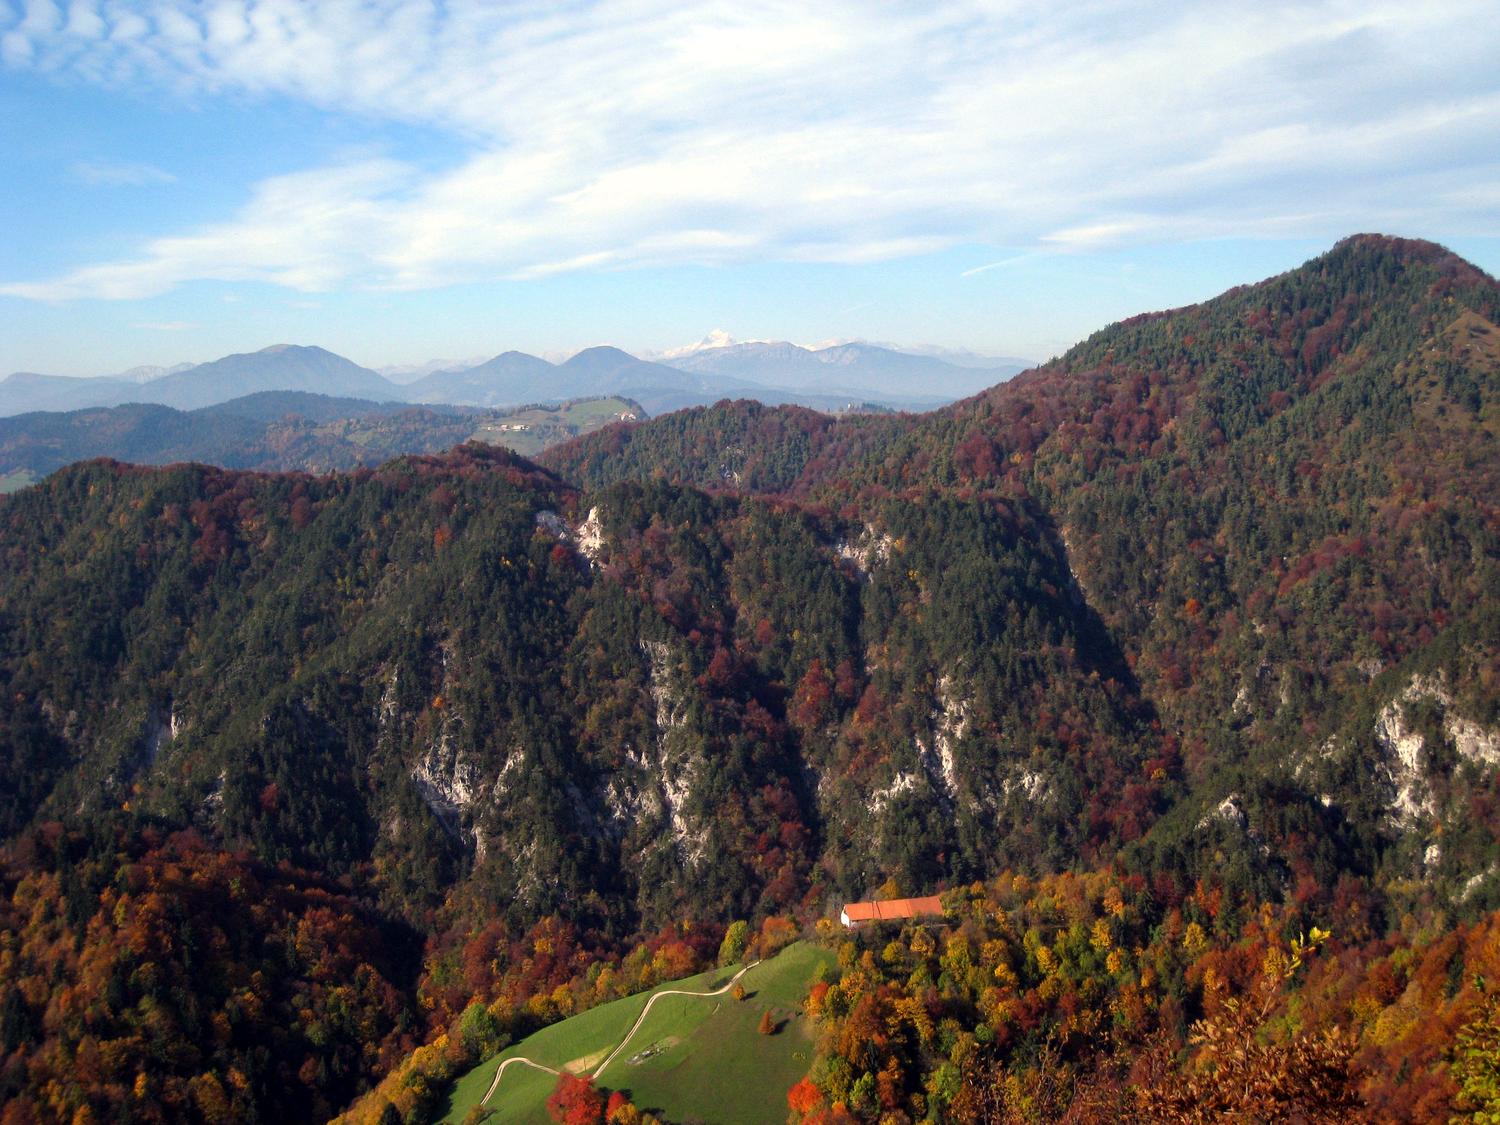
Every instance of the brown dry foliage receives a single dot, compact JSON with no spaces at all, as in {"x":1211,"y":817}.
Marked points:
{"x":1239,"y":1077}
{"x":1238,"y":1074}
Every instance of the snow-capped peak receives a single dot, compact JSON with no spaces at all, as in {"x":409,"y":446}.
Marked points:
{"x":718,"y":338}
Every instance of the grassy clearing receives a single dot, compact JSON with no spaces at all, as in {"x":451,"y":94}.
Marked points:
{"x":586,"y":1034}
{"x":698,"y":1057}
{"x":530,"y":431}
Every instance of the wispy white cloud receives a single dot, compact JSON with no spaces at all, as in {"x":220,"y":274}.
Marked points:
{"x":114,"y":173}
{"x":304,"y":231}
{"x":166,"y":325}
{"x":648,"y":132}
{"x":1003,"y":263}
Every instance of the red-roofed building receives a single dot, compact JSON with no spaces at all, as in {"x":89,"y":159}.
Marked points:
{"x":893,"y":910}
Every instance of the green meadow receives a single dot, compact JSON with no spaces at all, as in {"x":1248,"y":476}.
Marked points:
{"x":534,"y":429}
{"x":694,"y":1057}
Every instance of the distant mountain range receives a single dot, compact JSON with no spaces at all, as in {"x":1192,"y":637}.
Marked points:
{"x":284,"y":367}
{"x":774,"y":374}
{"x":404,"y":373}
{"x":858,"y":369}
{"x":147,"y":373}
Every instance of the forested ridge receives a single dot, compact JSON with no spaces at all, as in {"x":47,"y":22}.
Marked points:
{"x":1156,"y":660}
{"x":294,"y":431}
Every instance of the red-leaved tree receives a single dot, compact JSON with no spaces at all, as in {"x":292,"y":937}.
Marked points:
{"x":804,"y":1097}
{"x":575,"y":1101}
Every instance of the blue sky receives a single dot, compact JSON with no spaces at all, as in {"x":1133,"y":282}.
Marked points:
{"x":404,"y":181}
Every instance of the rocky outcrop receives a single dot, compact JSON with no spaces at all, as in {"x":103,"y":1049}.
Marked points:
{"x":867,"y":551}
{"x":676,"y":763}
{"x":1406,"y":756}
{"x":589,"y":535}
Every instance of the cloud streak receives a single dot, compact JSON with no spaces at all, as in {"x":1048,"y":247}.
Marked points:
{"x":112,"y":173}
{"x":610,"y":136}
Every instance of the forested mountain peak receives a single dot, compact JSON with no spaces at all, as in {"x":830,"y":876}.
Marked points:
{"x":1218,"y":369}
{"x":1407,"y":250}
{"x":1238,"y":488}
{"x":1407,"y":288}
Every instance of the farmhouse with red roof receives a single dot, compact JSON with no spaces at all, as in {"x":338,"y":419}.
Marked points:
{"x":857,"y":914}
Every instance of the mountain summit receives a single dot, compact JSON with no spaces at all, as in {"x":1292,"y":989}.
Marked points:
{"x":280,"y":367}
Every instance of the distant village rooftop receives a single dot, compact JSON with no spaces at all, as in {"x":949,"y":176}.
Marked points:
{"x":893,"y":910}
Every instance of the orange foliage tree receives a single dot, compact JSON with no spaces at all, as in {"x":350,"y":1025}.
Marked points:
{"x":575,"y":1101}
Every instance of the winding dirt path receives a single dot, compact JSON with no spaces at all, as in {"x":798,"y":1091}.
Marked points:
{"x":655,"y":996}
{"x":511,"y":1062}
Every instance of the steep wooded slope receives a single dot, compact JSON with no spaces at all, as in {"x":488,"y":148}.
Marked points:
{"x":418,"y":668}
{"x":1280,"y":502}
